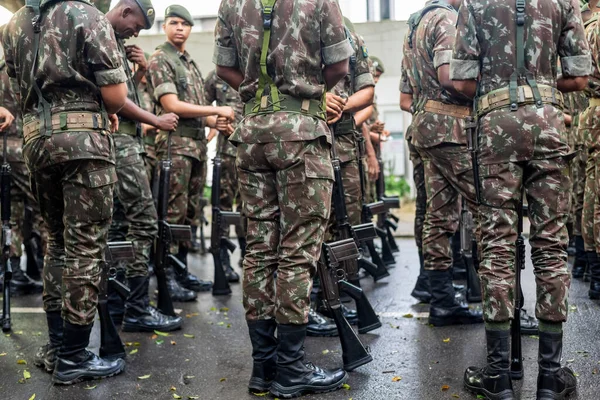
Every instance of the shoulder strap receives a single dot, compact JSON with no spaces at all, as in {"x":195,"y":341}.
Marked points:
{"x":415,"y":19}
{"x":180,"y":77}
{"x":520,"y":69}
{"x":264,"y":78}
{"x":353,"y":60}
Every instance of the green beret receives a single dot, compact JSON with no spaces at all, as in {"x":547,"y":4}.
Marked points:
{"x":179,"y":11}
{"x":148,"y":11}
{"x":377,"y":64}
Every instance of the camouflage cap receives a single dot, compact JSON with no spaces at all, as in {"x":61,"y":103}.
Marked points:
{"x":148,"y":11}
{"x":377,"y":64}
{"x":179,"y":11}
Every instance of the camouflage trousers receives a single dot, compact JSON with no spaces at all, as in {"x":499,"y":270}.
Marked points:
{"x":286,"y":192}
{"x":135,"y":209}
{"x":151,"y":162}
{"x":421,"y":197}
{"x":20,"y":196}
{"x":76,"y":202}
{"x":591,"y":204}
{"x":230,"y":193}
{"x":578,"y":165}
{"x":448,"y":174}
{"x":546,"y":184}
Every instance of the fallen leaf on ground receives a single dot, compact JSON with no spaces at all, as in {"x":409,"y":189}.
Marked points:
{"x":18,"y":332}
{"x":193,"y":397}
{"x":221,"y":323}
{"x":21,"y":381}
{"x":325,"y":352}
{"x":445,"y":387}
{"x":263,"y":394}
{"x":159,"y":333}
{"x":228,"y":325}
{"x":90,"y":387}
{"x":160,"y":341}
{"x":575,"y":374}
{"x":456,"y":396}
{"x":21,"y":362}
{"x":32,"y":397}
{"x":137,"y":344}
{"x":222,"y":379}
{"x":144,"y":376}
{"x":396,"y":379}
{"x":346,"y":386}
{"x":132,"y":352}
{"x":127,"y":344}
{"x":571,"y":360}
{"x":187,"y":335}
{"x":176,"y":396}
{"x":534,"y":337}
{"x":447,"y":340}
{"x":2,"y":354}
{"x":173,"y":342}
{"x":595,"y":371}
{"x":173,"y":388}
{"x":223,"y":309}
{"x":153,"y":337}
{"x":26,"y":374}
{"x":190,"y":315}
{"x":409,"y":315}
{"x":213,"y":309}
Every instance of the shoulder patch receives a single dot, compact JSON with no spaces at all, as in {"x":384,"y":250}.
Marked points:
{"x":365,"y":51}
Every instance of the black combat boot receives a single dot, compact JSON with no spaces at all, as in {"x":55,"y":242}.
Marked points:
{"x":264,"y":355}
{"x":116,"y":304}
{"x":459,"y":267}
{"x":319,"y":326}
{"x":554,"y":382}
{"x":74,"y":363}
{"x":445,"y":310}
{"x":230,"y":274}
{"x":294,"y":376}
{"x":186,"y":278}
{"x":46,"y":355}
{"x":422,"y":291}
{"x":580,"y":263}
{"x":594,"y":267}
{"x":177,"y":292}
{"x":21,"y":284}
{"x":492,"y":381}
{"x":140,"y":317}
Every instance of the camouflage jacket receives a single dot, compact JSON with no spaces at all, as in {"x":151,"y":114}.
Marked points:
{"x":216,"y":90}
{"x":305,"y":36}
{"x":78,"y":53}
{"x":8,"y":100}
{"x":432,"y":44}
{"x":485,"y":49}
{"x":161,"y":79}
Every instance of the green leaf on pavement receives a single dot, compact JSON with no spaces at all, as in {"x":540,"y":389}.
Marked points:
{"x":26,"y":374}
{"x":21,"y":362}
{"x":144,"y":377}
{"x":90,"y":387}
{"x":159,"y":333}
{"x":160,"y":341}
{"x":187,"y":335}
{"x":132,"y":352}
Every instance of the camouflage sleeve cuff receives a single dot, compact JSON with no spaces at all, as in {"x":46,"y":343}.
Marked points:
{"x":362,"y":81}
{"x":224,"y":56}
{"x":576,"y":65}
{"x":463,"y":70}
{"x":110,"y":76}
{"x":164,"y":88}
{"x":405,"y":87}
{"x":337,"y":52}
{"x":441,"y":58}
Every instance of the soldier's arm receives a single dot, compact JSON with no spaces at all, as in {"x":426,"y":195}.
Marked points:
{"x":167,"y":122}
{"x":231,"y":75}
{"x":443,"y":34}
{"x":364,"y":85}
{"x":6,"y":119}
{"x":335,"y":47}
{"x":574,"y":52}
{"x":225,"y":53}
{"x":363,"y":115}
{"x":464,"y":66}
{"x":171,"y":103}
{"x":114,"y":97}
{"x":406,"y":101}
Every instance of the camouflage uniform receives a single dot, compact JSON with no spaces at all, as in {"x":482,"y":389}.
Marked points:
{"x":439,"y":138}
{"x":283,"y":160}
{"x":188,"y":154}
{"x":20,"y":192}
{"x":525,"y":149}
{"x":346,"y":134}
{"x":216,"y":90}
{"x":72,"y":170}
{"x":133,"y":187}
{"x":372,"y":184}
{"x":150,"y":137}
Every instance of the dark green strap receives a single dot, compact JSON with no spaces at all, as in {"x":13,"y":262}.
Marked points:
{"x":264,"y":79}
{"x":520,"y":69}
{"x":352,"y":61}
{"x":415,"y":19}
{"x":136,"y":96}
{"x":180,"y":77}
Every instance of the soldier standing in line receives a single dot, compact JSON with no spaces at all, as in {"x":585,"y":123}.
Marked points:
{"x":149,"y":132}
{"x":216,"y":90}
{"x":440,"y":140}
{"x":70,"y":155}
{"x":132,"y":190}
{"x":176,"y":85}
{"x":285,"y":171}
{"x":521,"y":148}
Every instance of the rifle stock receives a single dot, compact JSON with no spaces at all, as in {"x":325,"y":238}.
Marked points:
{"x":5,"y":215}
{"x":468,"y":250}
{"x":516,"y":351}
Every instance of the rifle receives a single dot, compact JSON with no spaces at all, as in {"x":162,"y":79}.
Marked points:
{"x":111,"y":346}
{"x":376,"y":268}
{"x":6,"y":239}
{"x":386,"y":221}
{"x":203,"y":223}
{"x":354,"y":353}
{"x":367,"y":319}
{"x":468,"y":250}
{"x":167,"y":233}
{"x":31,"y":242}
{"x":221,"y":221}
{"x":516,"y":351}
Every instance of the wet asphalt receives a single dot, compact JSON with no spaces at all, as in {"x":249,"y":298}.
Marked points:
{"x":411,"y":359}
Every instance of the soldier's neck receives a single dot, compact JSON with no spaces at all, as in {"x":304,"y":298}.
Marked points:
{"x":180,"y":48}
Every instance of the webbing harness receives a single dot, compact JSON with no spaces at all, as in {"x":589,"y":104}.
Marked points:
{"x":521,"y":70}
{"x":415,"y":19}
{"x":180,"y":77}
{"x":264,"y":79}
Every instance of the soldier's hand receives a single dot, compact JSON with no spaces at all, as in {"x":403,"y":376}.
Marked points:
{"x":136,"y":55}
{"x":211,"y":134}
{"x":114,"y":122}
{"x":373,"y":167}
{"x":226,"y":112}
{"x":7,"y":119}
{"x":167,"y":122}
{"x":224,"y":126}
{"x":335,"y":104}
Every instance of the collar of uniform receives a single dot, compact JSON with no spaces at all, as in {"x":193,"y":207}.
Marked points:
{"x":185,"y":55}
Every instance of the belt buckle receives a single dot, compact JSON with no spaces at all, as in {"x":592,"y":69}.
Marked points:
{"x":95,"y":121}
